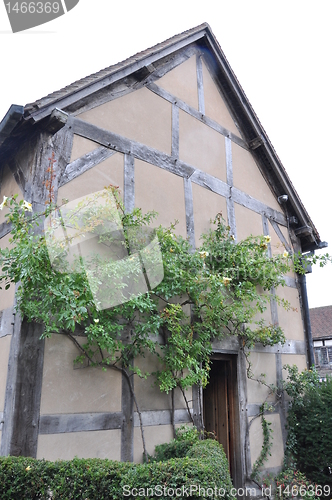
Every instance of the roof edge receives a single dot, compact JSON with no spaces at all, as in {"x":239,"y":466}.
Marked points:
{"x":9,"y":122}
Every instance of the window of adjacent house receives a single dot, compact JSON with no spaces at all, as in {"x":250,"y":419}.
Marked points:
{"x":323,"y":352}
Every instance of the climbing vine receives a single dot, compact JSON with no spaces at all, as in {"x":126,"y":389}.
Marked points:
{"x":219,"y":289}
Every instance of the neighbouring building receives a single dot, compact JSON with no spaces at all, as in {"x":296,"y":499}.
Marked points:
{"x":321,"y":328}
{"x":172,"y":127}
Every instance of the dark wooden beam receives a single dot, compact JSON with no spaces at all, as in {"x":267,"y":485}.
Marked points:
{"x":175,"y":131}
{"x":189,"y":206}
{"x":162,"y":417}
{"x":129,"y":183}
{"x":200,"y":85}
{"x":56,"y":121}
{"x":229,"y":177}
{"x":79,"y":422}
{"x":23,"y":390}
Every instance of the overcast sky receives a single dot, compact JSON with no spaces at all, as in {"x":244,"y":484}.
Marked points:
{"x":280,"y":50}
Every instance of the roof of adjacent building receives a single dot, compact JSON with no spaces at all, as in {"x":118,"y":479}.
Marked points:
{"x":321,"y":322}
{"x":19,"y":120}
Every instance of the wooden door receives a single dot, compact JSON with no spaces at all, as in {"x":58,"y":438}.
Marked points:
{"x":219,"y":405}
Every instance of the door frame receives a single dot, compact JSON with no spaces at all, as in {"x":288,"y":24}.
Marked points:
{"x":236,"y":435}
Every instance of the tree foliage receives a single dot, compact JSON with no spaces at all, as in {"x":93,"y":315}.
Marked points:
{"x":309,"y":424}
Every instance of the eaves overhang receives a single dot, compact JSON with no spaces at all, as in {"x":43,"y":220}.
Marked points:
{"x":10,"y":121}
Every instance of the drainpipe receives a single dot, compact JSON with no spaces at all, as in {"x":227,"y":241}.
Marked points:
{"x":303,"y":284}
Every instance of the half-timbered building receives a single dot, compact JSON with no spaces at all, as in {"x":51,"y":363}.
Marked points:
{"x":172,"y":127}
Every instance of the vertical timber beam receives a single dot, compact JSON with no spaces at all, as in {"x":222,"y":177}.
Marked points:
{"x":245,"y":457}
{"x":229,"y":178}
{"x":189,"y":206}
{"x":175,"y":131}
{"x":129,"y":183}
{"x":23,"y":391}
{"x":275,"y":321}
{"x":200,"y":87}
{"x":26,"y":358}
{"x":127,"y":403}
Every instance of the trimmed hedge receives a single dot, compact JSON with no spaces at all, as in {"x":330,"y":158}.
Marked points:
{"x":30,"y":479}
{"x":205,"y":466}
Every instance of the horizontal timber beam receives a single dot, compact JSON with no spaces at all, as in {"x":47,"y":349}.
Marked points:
{"x":253,"y":410}
{"x":161,"y":417}
{"x":290,"y":347}
{"x":81,"y":422}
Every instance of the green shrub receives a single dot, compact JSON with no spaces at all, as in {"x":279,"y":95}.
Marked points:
{"x":174,"y":449}
{"x":291,"y":483}
{"x":205,"y":467}
{"x":30,"y":479}
{"x":202,"y":473}
{"x":310,"y":424}
{"x":178,"y":448}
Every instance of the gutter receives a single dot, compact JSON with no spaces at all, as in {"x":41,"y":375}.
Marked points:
{"x":10,"y":120}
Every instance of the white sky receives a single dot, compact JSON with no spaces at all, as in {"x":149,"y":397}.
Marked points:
{"x":280,"y":50}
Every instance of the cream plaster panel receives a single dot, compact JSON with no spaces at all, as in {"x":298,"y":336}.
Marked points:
{"x":247,"y":177}
{"x":182,"y":82}
{"x":277,"y":246}
{"x":261,"y":363}
{"x":299,"y":360}
{"x":206,"y":206}
{"x":153,"y":435}
{"x":256,"y":441}
{"x":159,"y":190}
{"x":6,"y":296}
{"x":110,"y":171}
{"x":92,"y":444}
{"x":8,"y":187}
{"x":4,"y":356}
{"x":266,"y":315}
{"x":82,"y":146}
{"x":202,"y":147}
{"x":80,"y":390}
{"x":141,"y":115}
{"x":248,"y":222}
{"x":291,"y":320}
{"x":148,"y":393}
{"x":215,"y":106}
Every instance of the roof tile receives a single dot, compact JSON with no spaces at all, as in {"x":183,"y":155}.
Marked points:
{"x":321,"y":322}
